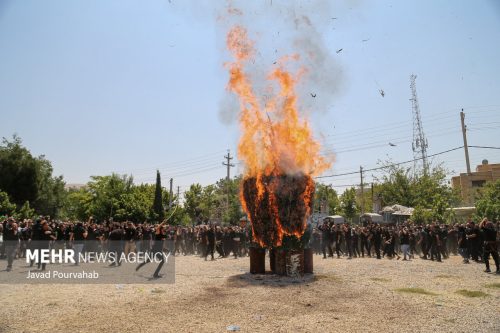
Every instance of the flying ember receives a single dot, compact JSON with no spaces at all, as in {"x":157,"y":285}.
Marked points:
{"x":276,"y":146}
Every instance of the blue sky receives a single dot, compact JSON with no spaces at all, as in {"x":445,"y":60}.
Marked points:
{"x":132,"y":86}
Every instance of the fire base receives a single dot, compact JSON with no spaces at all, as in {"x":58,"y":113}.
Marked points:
{"x":257,"y":260}
{"x":293,"y":263}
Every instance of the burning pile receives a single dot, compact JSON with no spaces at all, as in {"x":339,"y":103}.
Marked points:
{"x":281,"y":208}
{"x":276,"y":146}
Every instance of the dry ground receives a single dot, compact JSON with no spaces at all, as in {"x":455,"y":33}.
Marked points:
{"x":343,"y":296}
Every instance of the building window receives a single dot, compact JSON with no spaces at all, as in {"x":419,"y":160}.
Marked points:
{"x":478,"y":183}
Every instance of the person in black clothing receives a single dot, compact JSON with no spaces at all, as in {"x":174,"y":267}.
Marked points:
{"x":325,"y":239}
{"x":336,"y":237}
{"x":425,"y":242}
{"x":170,"y":239}
{"x":435,"y":243}
{"x":404,"y":240}
{"x":147,"y":238}
{"x":93,"y":237}
{"x":201,"y":239}
{"x":452,"y":240}
{"x":219,"y":242}
{"x":115,"y":246}
{"x":443,"y":241}
{"x":59,"y":232}
{"x":390,"y":241}
{"x":377,"y":240}
{"x":473,"y":239}
{"x":355,"y":242}
{"x":348,"y":239}
{"x":490,"y":245}
{"x":233,"y":240}
{"x":47,"y":237}
{"x":210,"y":242}
{"x":67,"y":237}
{"x":413,"y":243}
{"x":36,"y":237}
{"x":386,"y":236}
{"x":25,"y":236}
{"x":129,"y":238}
{"x":159,"y":239}
{"x":11,"y":240}
{"x":365,"y":242}
{"x":462,"y":244}
{"x":78,"y":236}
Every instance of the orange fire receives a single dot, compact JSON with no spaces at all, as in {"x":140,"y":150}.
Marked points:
{"x":275,"y":141}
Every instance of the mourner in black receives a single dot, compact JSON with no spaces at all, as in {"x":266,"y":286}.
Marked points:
{"x":47,"y":237}
{"x":115,"y":245}
{"x":473,"y":241}
{"x":78,"y":237}
{"x":377,"y":240}
{"x":210,"y":241}
{"x":325,"y":239}
{"x":11,"y":241}
{"x":490,"y":245}
{"x":159,"y":238}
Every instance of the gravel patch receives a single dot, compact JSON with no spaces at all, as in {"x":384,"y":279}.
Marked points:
{"x":343,"y":295}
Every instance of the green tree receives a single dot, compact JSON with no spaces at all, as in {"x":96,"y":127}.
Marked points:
{"x":20,"y":173}
{"x":25,"y":212}
{"x":348,"y":203}
{"x":192,"y":202}
{"x":326,"y":198}
{"x":77,"y":205}
{"x":158,"y":211}
{"x":396,"y":186}
{"x":135,"y":204}
{"x":107,"y":192}
{"x":429,"y":190}
{"x":28,"y":178}
{"x":367,"y":203}
{"x":51,"y":193}
{"x":210,"y":203}
{"x":6,"y":207}
{"x":488,"y":203}
{"x":233,"y":212}
{"x":421,"y":215}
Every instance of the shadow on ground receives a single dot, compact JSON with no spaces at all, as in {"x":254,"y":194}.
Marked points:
{"x":273,"y":280}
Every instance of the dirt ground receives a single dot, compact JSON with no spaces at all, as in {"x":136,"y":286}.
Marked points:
{"x":342,"y":296}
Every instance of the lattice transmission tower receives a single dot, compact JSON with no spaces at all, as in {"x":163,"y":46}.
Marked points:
{"x":419,"y":144}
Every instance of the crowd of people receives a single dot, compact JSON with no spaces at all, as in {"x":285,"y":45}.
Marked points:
{"x":121,"y":237}
{"x":434,"y":241}
{"x":476,"y":242}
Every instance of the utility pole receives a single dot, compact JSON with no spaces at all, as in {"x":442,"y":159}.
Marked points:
{"x":171,"y":194}
{"x":373,"y":210}
{"x":328,"y":199}
{"x":178,"y":194}
{"x":466,"y":147}
{"x":362,"y":191}
{"x":228,"y":177}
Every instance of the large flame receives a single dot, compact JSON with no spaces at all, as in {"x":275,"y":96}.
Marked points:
{"x":276,"y":146}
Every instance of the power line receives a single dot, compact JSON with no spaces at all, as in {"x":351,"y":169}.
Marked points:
{"x":484,"y":147}
{"x":389,"y":165}
{"x":174,"y":164}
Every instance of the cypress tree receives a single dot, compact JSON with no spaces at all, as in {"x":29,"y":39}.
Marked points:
{"x":158,"y":201}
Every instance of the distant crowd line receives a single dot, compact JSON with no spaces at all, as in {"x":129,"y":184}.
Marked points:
{"x":433,"y":241}
{"x":476,"y":242}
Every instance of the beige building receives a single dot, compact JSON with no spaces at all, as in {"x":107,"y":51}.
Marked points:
{"x":470,"y":184}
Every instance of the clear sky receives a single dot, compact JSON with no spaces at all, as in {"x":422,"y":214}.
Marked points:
{"x":132,"y":86}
